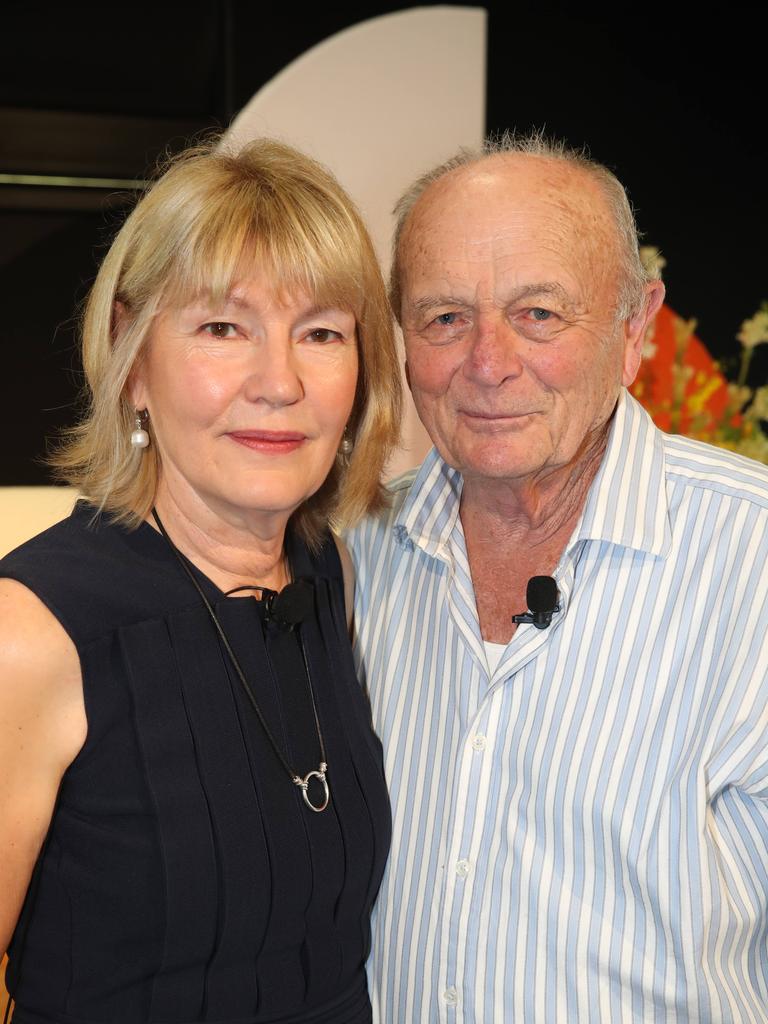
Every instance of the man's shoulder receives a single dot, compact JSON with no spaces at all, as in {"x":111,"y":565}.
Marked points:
{"x":702,"y":465}
{"x":398,"y":489}
{"x":374,"y":530}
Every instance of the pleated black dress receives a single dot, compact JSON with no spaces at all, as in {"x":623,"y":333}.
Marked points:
{"x":184,"y":879}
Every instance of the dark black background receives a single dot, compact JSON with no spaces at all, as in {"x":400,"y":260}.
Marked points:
{"x":673,"y":101}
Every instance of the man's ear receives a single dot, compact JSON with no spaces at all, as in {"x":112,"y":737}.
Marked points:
{"x":635,"y":329}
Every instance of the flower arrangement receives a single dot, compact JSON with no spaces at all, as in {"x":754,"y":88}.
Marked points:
{"x":685,"y":390}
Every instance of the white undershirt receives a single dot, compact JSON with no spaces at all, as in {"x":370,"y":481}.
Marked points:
{"x":493,"y":653}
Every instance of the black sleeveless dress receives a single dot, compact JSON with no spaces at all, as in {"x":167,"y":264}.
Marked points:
{"x":184,"y":878}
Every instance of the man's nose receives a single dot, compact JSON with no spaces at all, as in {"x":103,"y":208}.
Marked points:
{"x":494,"y":353}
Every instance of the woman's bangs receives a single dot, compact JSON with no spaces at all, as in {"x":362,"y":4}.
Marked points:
{"x":238,"y":241}
{"x":208,"y":264}
{"x":293,"y":266}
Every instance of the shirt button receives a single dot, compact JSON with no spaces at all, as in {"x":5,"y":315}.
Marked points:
{"x":479,"y":742}
{"x":462,"y":868}
{"x":451,"y":996}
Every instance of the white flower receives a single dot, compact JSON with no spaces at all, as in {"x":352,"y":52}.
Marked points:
{"x":650,"y":348}
{"x":754,"y":332}
{"x":759,"y":408}
{"x":652,"y":260}
{"x":755,"y":447}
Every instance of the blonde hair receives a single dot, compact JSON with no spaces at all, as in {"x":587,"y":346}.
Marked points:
{"x":211,"y":217}
{"x":633,"y":273}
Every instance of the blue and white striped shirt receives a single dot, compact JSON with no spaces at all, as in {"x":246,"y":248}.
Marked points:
{"x":583,"y":834}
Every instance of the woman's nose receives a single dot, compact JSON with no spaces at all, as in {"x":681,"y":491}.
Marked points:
{"x":274,"y":376}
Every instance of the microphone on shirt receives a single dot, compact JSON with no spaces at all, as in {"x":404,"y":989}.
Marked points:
{"x":291,"y":605}
{"x":285,"y":608}
{"x":543,"y":601}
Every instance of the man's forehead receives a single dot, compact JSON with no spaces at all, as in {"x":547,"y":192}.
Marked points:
{"x":507,"y":208}
{"x":516,"y":185}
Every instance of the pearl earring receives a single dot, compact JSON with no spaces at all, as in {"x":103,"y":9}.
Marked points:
{"x":140,"y":437}
{"x":346,"y":446}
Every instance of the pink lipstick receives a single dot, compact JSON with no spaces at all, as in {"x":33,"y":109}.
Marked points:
{"x":270,"y":442}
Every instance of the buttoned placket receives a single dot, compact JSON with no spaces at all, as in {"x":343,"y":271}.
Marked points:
{"x":472,"y":774}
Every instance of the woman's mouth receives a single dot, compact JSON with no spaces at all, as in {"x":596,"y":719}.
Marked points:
{"x":270,"y":442}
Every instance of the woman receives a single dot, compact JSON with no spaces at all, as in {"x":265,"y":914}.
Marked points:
{"x":184,"y":750}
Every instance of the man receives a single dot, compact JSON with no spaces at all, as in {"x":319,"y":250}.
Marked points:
{"x":580,"y":810}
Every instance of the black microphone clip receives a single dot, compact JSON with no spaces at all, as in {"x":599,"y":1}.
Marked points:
{"x":543,"y":601}
{"x":291,"y":605}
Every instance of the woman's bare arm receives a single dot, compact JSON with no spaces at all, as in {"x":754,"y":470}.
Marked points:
{"x":42,"y":727}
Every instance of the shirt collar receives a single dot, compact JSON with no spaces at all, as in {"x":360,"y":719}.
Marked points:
{"x":430,"y":511}
{"x":626,"y":504}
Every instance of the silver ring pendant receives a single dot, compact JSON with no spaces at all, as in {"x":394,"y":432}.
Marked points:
{"x":304,"y":783}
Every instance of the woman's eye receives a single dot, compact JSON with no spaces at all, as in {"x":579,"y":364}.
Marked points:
{"x":220,"y":330}
{"x":324,"y":335}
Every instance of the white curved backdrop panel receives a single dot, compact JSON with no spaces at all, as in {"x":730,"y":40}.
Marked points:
{"x":380,"y":103}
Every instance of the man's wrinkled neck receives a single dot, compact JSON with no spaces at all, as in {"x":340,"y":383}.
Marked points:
{"x":540,"y":505}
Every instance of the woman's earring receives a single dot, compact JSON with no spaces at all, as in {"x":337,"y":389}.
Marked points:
{"x":140,"y":437}
{"x":346,"y":447}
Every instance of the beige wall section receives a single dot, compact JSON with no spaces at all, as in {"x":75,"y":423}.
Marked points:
{"x":25,"y":511}
{"x":380,"y":103}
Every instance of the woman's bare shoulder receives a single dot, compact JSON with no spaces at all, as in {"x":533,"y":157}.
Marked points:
{"x":42,"y":728}
{"x":41,"y":688}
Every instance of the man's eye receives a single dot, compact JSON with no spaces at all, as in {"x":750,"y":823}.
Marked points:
{"x":539,"y":314}
{"x":324,"y":335}
{"x":220,"y":329}
{"x":445,"y":320}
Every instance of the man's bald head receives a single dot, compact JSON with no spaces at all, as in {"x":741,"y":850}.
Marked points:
{"x":554,"y":156}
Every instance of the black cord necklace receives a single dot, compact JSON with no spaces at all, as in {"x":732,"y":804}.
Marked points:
{"x":287,"y":609}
